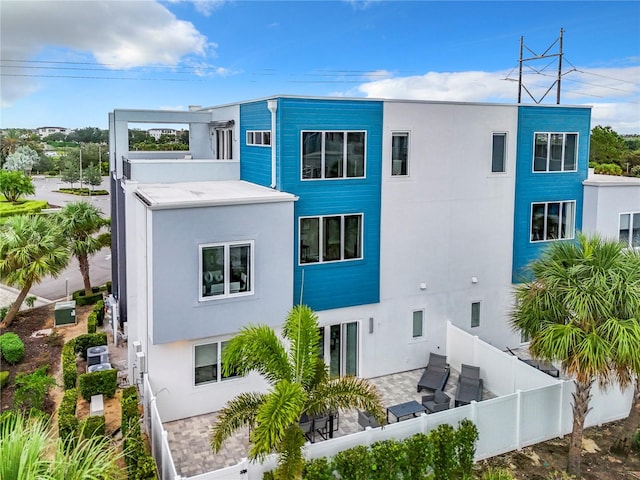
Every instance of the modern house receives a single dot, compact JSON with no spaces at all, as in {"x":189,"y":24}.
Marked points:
{"x":46,"y":131}
{"x":389,"y":218}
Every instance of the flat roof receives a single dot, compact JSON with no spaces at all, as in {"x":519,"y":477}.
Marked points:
{"x":208,"y":194}
{"x":598,"y":180}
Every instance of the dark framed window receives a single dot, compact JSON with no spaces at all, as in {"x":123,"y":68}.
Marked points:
{"x":333,"y":154}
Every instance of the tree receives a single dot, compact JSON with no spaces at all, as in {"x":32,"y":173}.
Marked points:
{"x":606,"y":146}
{"x":300,"y":384}
{"x":31,"y":248}
{"x":81,"y":223}
{"x":583,"y":309}
{"x":14,"y":184}
{"x":10,"y":141}
{"x":23,"y":159}
{"x":29,"y":450}
{"x":92,"y":175}
{"x":70,"y":171}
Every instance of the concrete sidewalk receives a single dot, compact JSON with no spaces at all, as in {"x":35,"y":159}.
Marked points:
{"x":9,"y":294}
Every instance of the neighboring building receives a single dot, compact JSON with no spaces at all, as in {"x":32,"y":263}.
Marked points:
{"x":612,"y":208}
{"x":387,"y":217}
{"x":46,"y":131}
{"x":158,"y":132}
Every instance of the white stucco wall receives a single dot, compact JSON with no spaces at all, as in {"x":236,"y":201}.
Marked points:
{"x":605,"y":198}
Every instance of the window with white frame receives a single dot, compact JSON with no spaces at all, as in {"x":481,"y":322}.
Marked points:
{"x":475,"y":314}
{"x":331,"y":154}
{"x":224,"y":143}
{"x":208,"y":363}
{"x":499,"y":153}
{"x":399,"y":153}
{"x":629,"y":231}
{"x":418,"y":323}
{"x":259,"y":137}
{"x":330,"y":238}
{"x":226,"y":269}
{"x":552,"y":221}
{"x":555,"y":152}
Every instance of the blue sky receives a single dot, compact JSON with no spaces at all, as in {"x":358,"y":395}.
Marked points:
{"x":69,"y":63}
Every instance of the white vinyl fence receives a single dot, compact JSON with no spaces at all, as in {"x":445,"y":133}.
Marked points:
{"x":530,"y":407}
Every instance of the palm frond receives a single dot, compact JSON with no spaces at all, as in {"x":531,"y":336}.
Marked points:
{"x":291,"y":460}
{"x":239,"y":412}
{"x":281,"y":408}
{"x":301,"y":329}
{"x":257,"y":348}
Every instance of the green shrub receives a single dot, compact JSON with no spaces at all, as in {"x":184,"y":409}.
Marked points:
{"x":497,"y":474}
{"x":3,"y":312}
{"x":444,"y":451}
{"x":608,"y":169}
{"x":30,"y":301}
{"x":129,"y":408}
{"x":69,"y":365}
{"x":92,"y":323}
{"x":94,"y":426}
{"x":96,"y":383}
{"x":318,"y":469}
{"x":69,"y":402}
{"x":4,"y":378}
{"x":593,"y":164}
{"x":88,"y":340}
{"x":466,"y":437}
{"x":388,"y":459}
{"x":635,"y":171}
{"x":419,"y":452}
{"x":23,"y":207}
{"x":133,"y":447}
{"x":82,"y":299}
{"x":11,"y":347}
{"x":99,"y":310}
{"x":146,"y":468}
{"x":68,"y":430}
{"x":32,"y":388}
{"x":353,"y":463}
{"x":269,"y":476}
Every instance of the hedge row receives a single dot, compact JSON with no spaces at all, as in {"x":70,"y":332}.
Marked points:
{"x":92,"y":323}
{"x":95,"y":383}
{"x":4,"y":378}
{"x":23,"y":208}
{"x":67,"y":421}
{"x":445,"y":453}
{"x":96,"y":317}
{"x":140,"y":465}
{"x":88,"y":340}
{"x":69,"y":366}
{"x":94,"y":426}
{"x":11,"y":347}
{"x":82,"y":299}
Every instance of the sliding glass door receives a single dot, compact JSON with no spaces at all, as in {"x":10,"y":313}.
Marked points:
{"x":341,"y":348}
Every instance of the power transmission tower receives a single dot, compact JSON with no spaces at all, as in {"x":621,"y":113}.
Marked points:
{"x":545,"y":54}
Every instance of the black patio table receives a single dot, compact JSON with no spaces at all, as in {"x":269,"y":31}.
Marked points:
{"x":405,"y":409}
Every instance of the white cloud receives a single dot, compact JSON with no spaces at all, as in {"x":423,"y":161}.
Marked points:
{"x":118,"y":34}
{"x":615,"y":91}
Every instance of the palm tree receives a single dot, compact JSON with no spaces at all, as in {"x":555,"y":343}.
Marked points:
{"x":300,"y":384}
{"x":29,"y":450}
{"x":81,"y":222}
{"x":31,"y":248}
{"x":583,"y":309}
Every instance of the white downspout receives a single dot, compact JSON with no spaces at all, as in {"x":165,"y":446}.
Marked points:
{"x":272,"y":105}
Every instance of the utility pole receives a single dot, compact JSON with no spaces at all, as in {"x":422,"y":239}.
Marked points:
{"x":542,"y":56}
{"x":80,"y":167}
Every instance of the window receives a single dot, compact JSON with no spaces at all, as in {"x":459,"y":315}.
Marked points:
{"x":226,"y":269}
{"x":499,"y":153}
{"x":629,"y":232}
{"x":208,"y":363}
{"x":330,"y":238}
{"x":224,"y":144}
{"x":332,"y":154}
{"x":552,"y":221}
{"x":475,"y":314}
{"x":262,"y":137}
{"x":555,"y":152}
{"x":399,"y":153}
{"x":418,"y":322}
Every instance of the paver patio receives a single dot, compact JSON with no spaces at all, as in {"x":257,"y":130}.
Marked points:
{"x":189,"y":438}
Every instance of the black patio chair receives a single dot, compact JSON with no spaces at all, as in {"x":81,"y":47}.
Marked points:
{"x":436,"y":401}
{"x":436,"y":374}
{"x":365,"y":419}
{"x":469,"y":385}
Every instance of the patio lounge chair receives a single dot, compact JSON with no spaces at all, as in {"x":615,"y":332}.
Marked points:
{"x":365,"y":419}
{"x":469,"y":385}
{"x":436,"y":401}
{"x":542,"y":365}
{"x":436,"y":374}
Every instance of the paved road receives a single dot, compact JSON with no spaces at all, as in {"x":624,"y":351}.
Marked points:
{"x":100,"y":263}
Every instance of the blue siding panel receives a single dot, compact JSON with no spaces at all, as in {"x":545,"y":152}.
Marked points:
{"x":255,"y":161}
{"x":545,"y":187}
{"x":341,"y":284}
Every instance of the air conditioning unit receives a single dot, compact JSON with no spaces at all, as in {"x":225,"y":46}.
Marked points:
{"x":100,"y":367}
{"x":97,"y":355}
